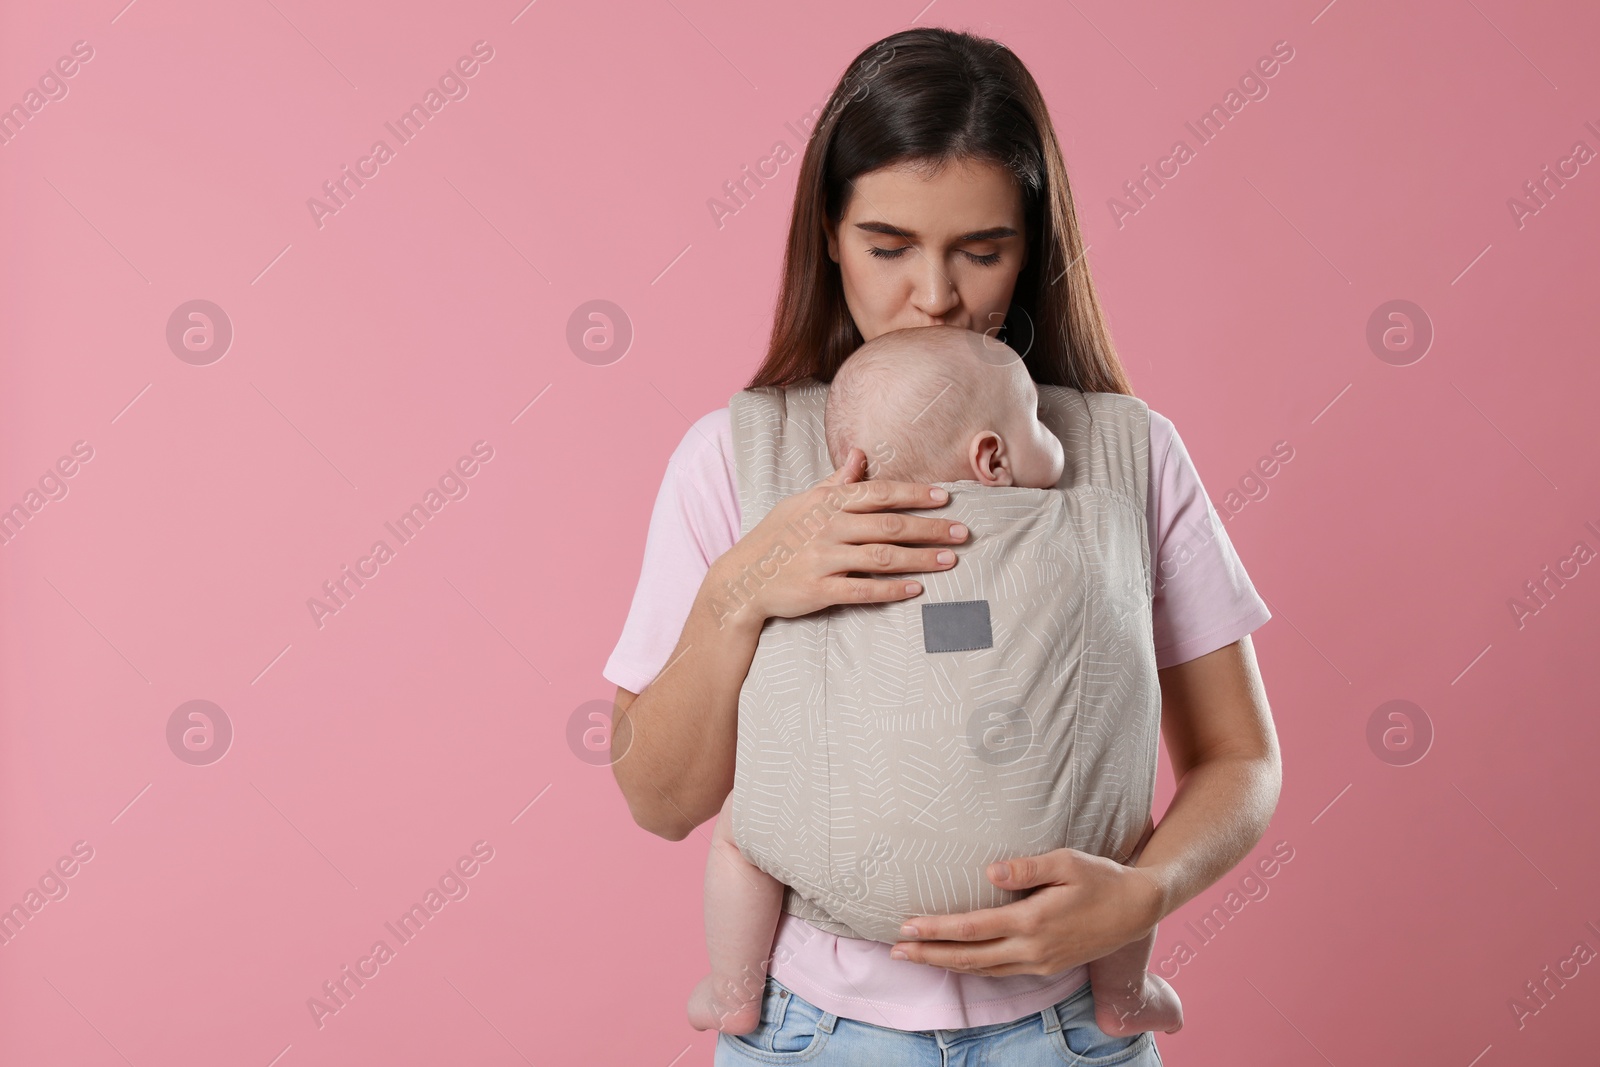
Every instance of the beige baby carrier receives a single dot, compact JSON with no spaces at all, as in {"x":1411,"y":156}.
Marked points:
{"x":888,"y":753}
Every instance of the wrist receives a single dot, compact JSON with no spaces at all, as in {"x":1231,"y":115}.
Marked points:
{"x":1154,"y":894}
{"x":727,"y":597}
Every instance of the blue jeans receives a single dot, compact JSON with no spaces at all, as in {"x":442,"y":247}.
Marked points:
{"x":793,"y":1030}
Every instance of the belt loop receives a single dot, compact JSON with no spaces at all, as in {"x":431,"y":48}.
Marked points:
{"x":1052,"y":1021}
{"x":825,"y":1024}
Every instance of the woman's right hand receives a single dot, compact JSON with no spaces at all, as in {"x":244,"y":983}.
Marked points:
{"x":807,"y":552}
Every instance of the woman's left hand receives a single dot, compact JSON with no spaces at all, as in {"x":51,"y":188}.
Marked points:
{"x":1085,"y":906}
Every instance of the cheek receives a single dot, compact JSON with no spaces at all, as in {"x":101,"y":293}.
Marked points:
{"x":991,"y":287}
{"x":853,"y":275}
{"x":988,"y":298}
{"x":874,"y":297}
{"x":1047,"y":463}
{"x":867,"y":280}
{"x":1056,"y":455}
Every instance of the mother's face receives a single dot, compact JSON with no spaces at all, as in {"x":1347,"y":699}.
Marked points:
{"x":920,"y":251}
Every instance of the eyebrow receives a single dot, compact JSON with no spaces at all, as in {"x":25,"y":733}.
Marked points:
{"x":993,"y":233}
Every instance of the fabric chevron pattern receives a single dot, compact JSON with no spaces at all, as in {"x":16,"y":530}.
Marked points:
{"x":878,"y":780}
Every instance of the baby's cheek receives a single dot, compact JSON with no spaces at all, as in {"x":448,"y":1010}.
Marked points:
{"x":1058,"y":458}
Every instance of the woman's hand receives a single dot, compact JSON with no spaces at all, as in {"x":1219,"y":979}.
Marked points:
{"x":1224,"y":752}
{"x":1085,"y":906}
{"x":672,"y":745}
{"x":805,"y":553}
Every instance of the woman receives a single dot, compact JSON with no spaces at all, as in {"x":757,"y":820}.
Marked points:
{"x":933,"y":191}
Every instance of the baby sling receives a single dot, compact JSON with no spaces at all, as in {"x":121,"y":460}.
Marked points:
{"x":888,"y":753}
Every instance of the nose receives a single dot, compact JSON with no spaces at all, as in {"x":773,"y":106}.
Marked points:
{"x":934,"y":295}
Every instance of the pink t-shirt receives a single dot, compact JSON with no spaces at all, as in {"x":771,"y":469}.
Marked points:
{"x":1203,"y":601}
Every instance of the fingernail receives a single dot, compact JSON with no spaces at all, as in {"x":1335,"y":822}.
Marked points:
{"x":946,"y":556}
{"x":1002,"y":870}
{"x":896,"y":954}
{"x":913,"y":588}
{"x":939,"y":494}
{"x":958,"y":530}
{"x":908,"y":930}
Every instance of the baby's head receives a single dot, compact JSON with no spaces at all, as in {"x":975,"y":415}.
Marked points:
{"x":940,"y":404}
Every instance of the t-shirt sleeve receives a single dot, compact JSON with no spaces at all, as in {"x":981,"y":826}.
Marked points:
{"x":695,"y":520}
{"x":1203,"y":597}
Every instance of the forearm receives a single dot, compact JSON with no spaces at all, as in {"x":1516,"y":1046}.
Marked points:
{"x":677,"y":739}
{"x":1220,"y":810}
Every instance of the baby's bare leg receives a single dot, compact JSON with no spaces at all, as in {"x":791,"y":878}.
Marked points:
{"x":1128,"y":999}
{"x":742,"y":906}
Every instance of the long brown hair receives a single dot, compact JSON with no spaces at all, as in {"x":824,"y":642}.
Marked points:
{"x":937,"y":95}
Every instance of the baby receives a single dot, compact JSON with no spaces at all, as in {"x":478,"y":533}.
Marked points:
{"x":933,"y":404}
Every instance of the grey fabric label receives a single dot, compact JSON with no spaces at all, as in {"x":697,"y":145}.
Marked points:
{"x":956,"y":626}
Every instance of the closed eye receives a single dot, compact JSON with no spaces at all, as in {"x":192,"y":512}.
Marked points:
{"x":884,"y":253}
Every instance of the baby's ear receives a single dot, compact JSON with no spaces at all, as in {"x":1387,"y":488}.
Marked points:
{"x":986,"y":456}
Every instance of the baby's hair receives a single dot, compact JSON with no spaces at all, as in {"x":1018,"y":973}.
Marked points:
{"x":911,"y":400}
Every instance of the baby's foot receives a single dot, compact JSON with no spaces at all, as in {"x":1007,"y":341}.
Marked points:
{"x":1153,"y":1005}
{"x":729,"y":1011}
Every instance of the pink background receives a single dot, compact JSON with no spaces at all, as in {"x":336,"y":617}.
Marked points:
{"x":369,"y":354}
